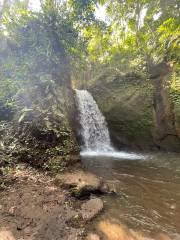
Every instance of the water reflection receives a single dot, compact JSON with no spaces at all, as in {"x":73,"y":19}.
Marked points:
{"x":148,"y":192}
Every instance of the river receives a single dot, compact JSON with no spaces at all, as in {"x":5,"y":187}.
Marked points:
{"x":147,"y":190}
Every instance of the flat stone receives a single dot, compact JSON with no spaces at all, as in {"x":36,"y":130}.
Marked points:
{"x":91,"y":208}
{"x":81,"y":183}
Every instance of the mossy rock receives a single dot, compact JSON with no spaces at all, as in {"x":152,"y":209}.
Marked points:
{"x":170,"y":143}
{"x":41,"y":131}
{"x":126,"y":102}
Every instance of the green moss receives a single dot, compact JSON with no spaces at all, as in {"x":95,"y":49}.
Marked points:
{"x":126,"y":102}
{"x":130,"y":125}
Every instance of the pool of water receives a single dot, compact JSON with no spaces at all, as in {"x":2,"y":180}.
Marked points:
{"x":147,"y":190}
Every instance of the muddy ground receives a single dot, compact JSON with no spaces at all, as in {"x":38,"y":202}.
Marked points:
{"x":32,"y":207}
{"x":35,"y":206}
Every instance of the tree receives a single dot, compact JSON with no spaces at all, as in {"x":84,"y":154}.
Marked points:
{"x":144,"y":36}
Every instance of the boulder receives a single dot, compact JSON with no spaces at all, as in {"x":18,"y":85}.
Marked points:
{"x":140,"y":114}
{"x":91,"y":208}
{"x":81,"y":183}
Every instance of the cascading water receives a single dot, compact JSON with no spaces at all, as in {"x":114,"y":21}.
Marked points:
{"x":130,"y":181}
{"x":94,"y":131}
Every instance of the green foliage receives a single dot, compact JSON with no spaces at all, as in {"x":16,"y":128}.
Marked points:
{"x":142,"y":29}
{"x":169,"y":37}
{"x":98,"y":42}
{"x":83,"y":10}
{"x":33,"y":44}
{"x":65,"y":37}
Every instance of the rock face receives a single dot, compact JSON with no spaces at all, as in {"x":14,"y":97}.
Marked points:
{"x":166,"y":132}
{"x":81,"y":183}
{"x":127,"y":105}
{"x":127,"y":101}
{"x":39,"y":100}
{"x":41,"y":132}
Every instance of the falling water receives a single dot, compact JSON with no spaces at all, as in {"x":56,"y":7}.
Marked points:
{"x":94,"y":131}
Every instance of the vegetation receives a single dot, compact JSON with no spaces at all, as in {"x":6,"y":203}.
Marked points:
{"x":135,"y":35}
{"x":66,"y":43}
{"x":129,"y":59}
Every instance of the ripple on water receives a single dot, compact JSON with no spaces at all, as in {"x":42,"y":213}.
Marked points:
{"x":148,"y":192}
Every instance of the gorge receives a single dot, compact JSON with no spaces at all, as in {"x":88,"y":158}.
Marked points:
{"x":89,"y":120}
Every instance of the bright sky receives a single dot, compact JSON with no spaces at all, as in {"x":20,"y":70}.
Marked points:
{"x":100,"y":11}
{"x":35,"y":4}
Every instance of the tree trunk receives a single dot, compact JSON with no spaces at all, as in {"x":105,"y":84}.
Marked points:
{"x":165,"y":133}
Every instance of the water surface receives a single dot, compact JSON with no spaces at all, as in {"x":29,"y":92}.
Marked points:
{"x":148,"y":190}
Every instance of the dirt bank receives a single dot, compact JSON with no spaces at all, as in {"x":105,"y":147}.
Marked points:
{"x":34,"y":207}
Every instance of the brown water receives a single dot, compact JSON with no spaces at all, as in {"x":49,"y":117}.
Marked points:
{"x":148,"y":192}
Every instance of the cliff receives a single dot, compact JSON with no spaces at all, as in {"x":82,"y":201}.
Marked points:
{"x":127,"y":101}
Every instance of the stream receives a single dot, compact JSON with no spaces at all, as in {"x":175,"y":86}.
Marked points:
{"x":146,"y":186}
{"x":147,"y":190}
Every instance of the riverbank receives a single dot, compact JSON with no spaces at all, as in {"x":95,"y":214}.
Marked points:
{"x":35,"y":205}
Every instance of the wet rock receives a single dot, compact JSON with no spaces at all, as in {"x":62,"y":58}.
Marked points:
{"x":73,"y":159}
{"x":91,"y":208}
{"x":81,"y":183}
{"x":128,"y":112}
{"x":104,"y":188}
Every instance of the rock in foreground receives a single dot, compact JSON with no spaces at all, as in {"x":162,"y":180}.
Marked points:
{"x":81,"y":183}
{"x":91,"y":208}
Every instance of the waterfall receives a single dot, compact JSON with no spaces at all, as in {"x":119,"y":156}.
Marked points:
{"x":94,"y":129}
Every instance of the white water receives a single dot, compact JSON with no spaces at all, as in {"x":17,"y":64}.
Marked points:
{"x":113,"y":154}
{"x":93,"y":125}
{"x":94,"y":131}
